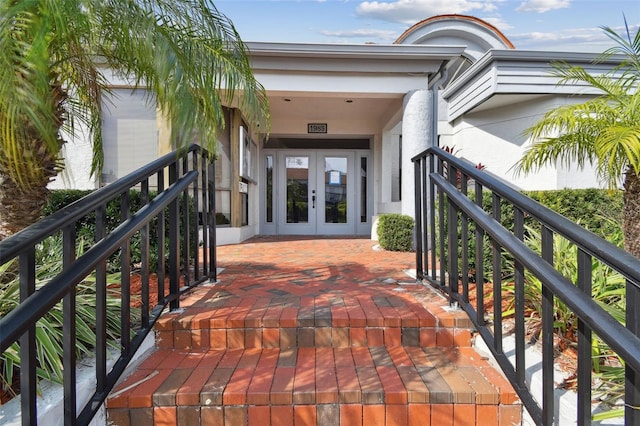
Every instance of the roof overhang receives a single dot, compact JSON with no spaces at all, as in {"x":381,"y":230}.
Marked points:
{"x":527,"y":74}
{"x":349,"y":58}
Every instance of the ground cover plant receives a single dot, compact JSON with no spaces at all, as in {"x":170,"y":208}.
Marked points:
{"x":598,"y":210}
{"x":49,"y":333}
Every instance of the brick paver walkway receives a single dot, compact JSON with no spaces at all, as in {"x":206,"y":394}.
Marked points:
{"x":314,"y":331}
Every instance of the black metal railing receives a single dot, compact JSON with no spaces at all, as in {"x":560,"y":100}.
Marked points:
{"x":453,"y":232}
{"x":182,"y":214}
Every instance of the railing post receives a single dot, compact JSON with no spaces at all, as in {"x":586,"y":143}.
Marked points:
{"x":161,"y":229}
{"x":452,"y":240}
{"x":432,"y":212}
{"x":186,"y":228}
{"x":441,"y":230}
{"x":144,"y":253}
{"x":69,"y":329}
{"x":585,"y":363}
{"x":101,"y":305}
{"x":464,"y":236}
{"x":27,"y":267}
{"x":518,"y":288}
{"x":547,"y":333}
{"x":497,"y":277}
{"x":125,"y":278}
{"x":213,"y":264}
{"x":174,"y":242}
{"x":479,"y":261}
{"x":632,"y":377}
{"x":196,"y":219}
{"x":204,"y":166}
{"x":418,"y":197}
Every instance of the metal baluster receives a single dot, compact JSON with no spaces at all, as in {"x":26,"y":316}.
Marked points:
{"x":547,"y":334}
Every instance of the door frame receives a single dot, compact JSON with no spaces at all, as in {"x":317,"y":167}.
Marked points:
{"x":357,"y":222}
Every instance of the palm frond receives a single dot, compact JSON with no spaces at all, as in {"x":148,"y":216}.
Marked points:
{"x":626,"y":44}
{"x":185,"y":52}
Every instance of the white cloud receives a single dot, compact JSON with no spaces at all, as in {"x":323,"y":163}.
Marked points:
{"x":497,"y":22}
{"x":574,"y":39}
{"x":370,"y":34}
{"x":411,"y":11}
{"x":541,"y":6}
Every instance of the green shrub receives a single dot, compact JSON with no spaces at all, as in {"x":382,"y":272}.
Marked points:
{"x":85,"y":227}
{"x":598,"y":210}
{"x":395,"y":232}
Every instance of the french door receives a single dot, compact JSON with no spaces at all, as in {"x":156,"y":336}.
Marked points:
{"x":315,"y":192}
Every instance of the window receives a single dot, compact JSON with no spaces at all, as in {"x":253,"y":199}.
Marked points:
{"x":269,"y":188}
{"x":363,"y":190}
{"x":396,"y":169}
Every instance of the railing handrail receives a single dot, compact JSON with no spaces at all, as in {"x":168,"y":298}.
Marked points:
{"x":12,"y":246}
{"x":17,"y":321}
{"x":179,"y":222}
{"x":442,"y":179}
{"x":610,"y":331}
{"x":619,"y":259}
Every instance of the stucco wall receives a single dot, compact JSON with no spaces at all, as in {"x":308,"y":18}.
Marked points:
{"x":495,"y":139}
{"x":77,"y":154}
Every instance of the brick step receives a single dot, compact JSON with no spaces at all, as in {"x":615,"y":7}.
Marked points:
{"x":261,"y":322}
{"x":323,"y":386}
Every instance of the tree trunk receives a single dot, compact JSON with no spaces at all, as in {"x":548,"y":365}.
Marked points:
{"x":631,"y":220}
{"x":21,"y":205}
{"x":19,"y":208}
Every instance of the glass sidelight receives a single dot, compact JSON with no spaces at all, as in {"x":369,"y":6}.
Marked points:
{"x":297,"y":180}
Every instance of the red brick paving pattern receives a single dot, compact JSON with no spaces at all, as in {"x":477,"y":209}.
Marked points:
{"x":315,"y":331}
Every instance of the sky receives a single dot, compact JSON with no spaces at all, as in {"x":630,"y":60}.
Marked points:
{"x":564,"y":25}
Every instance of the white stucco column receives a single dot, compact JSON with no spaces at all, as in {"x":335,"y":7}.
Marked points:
{"x":416,"y":137}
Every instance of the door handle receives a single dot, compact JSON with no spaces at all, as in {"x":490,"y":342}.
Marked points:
{"x":313,"y":199}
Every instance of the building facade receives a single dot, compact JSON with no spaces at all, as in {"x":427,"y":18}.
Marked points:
{"x":346,"y":121}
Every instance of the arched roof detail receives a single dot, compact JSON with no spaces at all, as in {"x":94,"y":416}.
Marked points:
{"x":477,"y":35}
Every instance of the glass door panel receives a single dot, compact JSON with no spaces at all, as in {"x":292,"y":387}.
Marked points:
{"x":336,"y":193}
{"x":297,"y":202}
{"x":335,"y":189}
{"x":296,"y":193}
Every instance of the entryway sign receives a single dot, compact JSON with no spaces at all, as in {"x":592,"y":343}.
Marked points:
{"x":317,"y":128}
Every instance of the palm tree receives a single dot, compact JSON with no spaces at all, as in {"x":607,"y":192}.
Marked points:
{"x":54,"y":59}
{"x":604,"y":131}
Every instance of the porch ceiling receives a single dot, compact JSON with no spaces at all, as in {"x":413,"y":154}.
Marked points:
{"x":310,"y":108}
